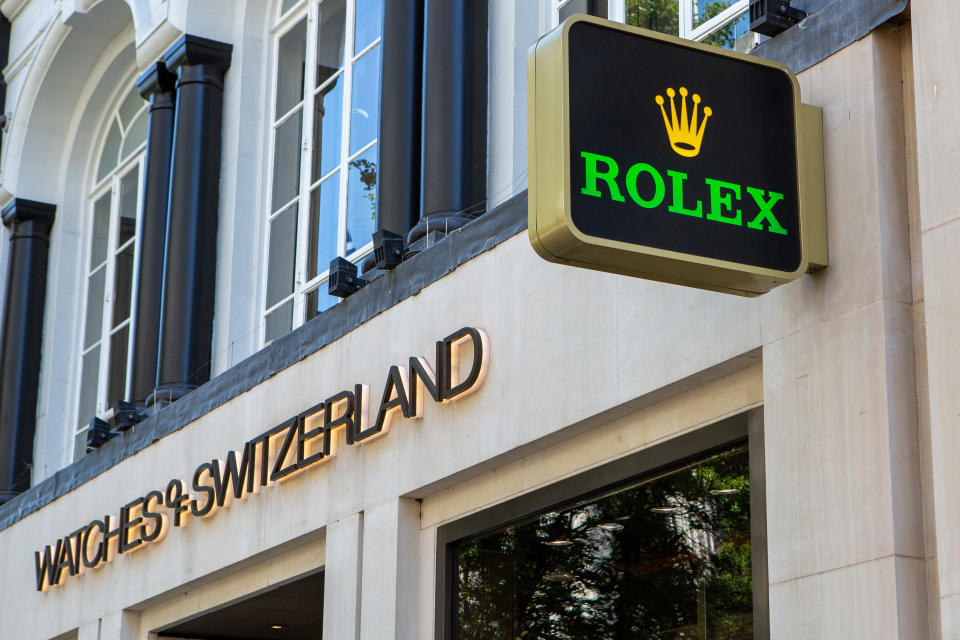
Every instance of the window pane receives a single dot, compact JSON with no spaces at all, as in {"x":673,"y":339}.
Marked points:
{"x":136,"y":136}
{"x":131,"y":105}
{"x":574,"y":6}
{"x":369,"y":23}
{"x":291,"y":61}
{"x":94,"y":321}
{"x":735,"y":35}
{"x":328,"y":124}
{"x":101,"y":230}
{"x":656,"y":15}
{"x":319,"y":301}
{"x":362,"y":200}
{"x":365,"y":114}
{"x":286,"y":161}
{"x":123,"y":286}
{"x":279,"y":322}
{"x":128,"y":207}
{"x":88,"y":387}
{"x":117,"y":385}
{"x":704,"y":10}
{"x":667,"y":558}
{"x":324,"y":214}
{"x":283,"y":252}
{"x":111,"y":149}
{"x":287,"y":5}
{"x":333,"y":20}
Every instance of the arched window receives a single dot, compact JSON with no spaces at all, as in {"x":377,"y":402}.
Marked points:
{"x":110,"y":263}
{"x":322,"y":195}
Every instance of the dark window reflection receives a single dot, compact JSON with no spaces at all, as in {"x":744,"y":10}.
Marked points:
{"x":664,"y":559}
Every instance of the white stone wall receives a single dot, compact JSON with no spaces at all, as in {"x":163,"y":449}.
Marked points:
{"x":854,"y":366}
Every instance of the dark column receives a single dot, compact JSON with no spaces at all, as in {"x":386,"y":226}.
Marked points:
{"x":156,"y":85}
{"x":22,"y":329}
{"x":453,"y":179}
{"x":186,"y":328}
{"x":399,"y":175}
{"x":4,"y":56}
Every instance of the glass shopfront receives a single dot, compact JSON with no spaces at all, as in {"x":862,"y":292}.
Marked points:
{"x":664,"y":555}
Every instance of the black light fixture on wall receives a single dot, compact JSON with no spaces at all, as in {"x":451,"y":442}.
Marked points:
{"x":343,"y":281}
{"x":98,"y":434}
{"x":770,"y":17}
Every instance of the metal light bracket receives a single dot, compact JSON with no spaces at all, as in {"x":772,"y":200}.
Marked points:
{"x":770,"y":17}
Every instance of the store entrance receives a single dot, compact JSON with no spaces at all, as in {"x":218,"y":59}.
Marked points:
{"x":293,"y":611}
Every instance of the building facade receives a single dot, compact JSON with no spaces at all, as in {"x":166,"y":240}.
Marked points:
{"x":278,"y":359}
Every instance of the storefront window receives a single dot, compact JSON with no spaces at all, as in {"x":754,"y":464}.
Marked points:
{"x":666,"y":557}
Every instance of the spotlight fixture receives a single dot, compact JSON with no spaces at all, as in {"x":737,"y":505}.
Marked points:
{"x":126,"y":414}
{"x":278,"y":627}
{"x":770,"y":17}
{"x":610,"y":526}
{"x":98,"y":433}
{"x":387,"y":249}
{"x":344,"y":280}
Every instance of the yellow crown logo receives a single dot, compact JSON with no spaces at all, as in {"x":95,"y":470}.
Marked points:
{"x":685,"y":137}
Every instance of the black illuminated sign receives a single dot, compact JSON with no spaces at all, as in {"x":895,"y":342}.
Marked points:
{"x":671,"y":160}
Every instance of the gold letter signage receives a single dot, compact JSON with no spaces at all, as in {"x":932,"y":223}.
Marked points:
{"x":671,"y":160}
{"x":292,"y":446}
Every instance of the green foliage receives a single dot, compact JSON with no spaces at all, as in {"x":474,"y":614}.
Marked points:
{"x":724,"y":37}
{"x":665,"y":559}
{"x":368,"y":178}
{"x":663,"y":16}
{"x":656,"y":15}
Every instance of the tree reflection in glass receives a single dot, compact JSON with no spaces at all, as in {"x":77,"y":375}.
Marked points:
{"x":665,"y":558}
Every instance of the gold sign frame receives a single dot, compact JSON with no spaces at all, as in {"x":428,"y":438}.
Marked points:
{"x":551,"y":230}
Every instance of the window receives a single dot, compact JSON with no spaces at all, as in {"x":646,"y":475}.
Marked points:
{"x":722,"y":23}
{"x":322,"y":200}
{"x":110,"y":264}
{"x":664,"y":554}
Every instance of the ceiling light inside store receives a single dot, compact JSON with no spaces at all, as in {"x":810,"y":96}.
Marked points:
{"x":559,"y":576}
{"x":665,"y":509}
{"x":723,"y":492}
{"x":559,"y":543}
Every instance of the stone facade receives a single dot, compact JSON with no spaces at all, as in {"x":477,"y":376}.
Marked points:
{"x":852,"y":368}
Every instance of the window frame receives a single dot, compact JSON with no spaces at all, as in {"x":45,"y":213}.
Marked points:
{"x":303,"y":284}
{"x":714,"y":24}
{"x":615,"y":10}
{"x":745,"y":428}
{"x":133,"y":161}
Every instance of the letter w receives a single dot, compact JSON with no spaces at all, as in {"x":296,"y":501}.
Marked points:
{"x":46,"y":566}
{"x":229,"y":472}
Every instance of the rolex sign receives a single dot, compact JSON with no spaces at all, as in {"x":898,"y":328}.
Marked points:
{"x":671,"y":160}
